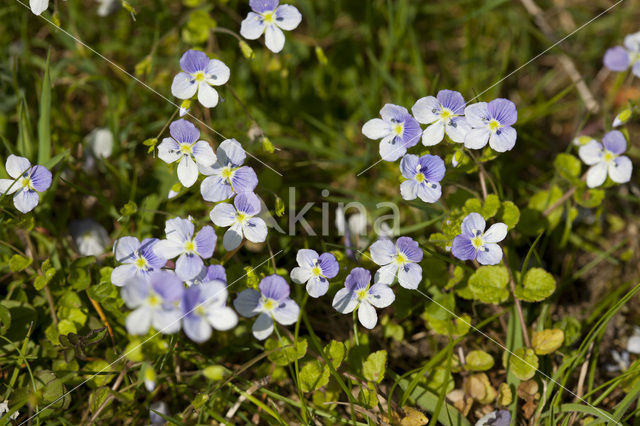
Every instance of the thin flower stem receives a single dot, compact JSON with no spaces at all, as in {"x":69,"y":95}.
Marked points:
{"x":167,"y":124}
{"x":512,"y":284}
{"x":227,"y":31}
{"x":355,"y":327}
{"x":560,"y":201}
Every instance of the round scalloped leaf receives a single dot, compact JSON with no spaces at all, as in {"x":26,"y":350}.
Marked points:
{"x":478,"y":361}
{"x":489,"y":284}
{"x":547,"y":341}
{"x":537,"y":285}
{"x":523,"y":363}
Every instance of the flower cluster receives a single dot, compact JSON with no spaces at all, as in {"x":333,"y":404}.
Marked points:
{"x":621,"y":58}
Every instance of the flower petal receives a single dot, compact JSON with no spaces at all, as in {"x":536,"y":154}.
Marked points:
{"x":287,"y":17}
{"x":122,"y":274}
{"x":247,"y":203}
{"x":233,"y":237}
{"x":26,"y":200}
{"x":503,"y":139}
{"x":179,"y":229}
{"x":203,"y":153}
{"x":255,"y":230}
{"x":617,"y":59}
{"x":263,"y":327}
{"x":452,"y":100}
{"x":196,"y":328}
{"x":215,"y":189}
{"x":244,"y":180}
{"x":168,"y":249}
{"x":183,"y":86}
{"x":409,"y":166}
{"x":383,"y":252}
{"x":300,"y":275}
{"x":462,"y":248}
{"x":329,"y":265}
{"x":167,"y":321}
{"x":504,"y":111}
{"x":367,"y":315}
{"x":620,"y":169}
{"x":409,"y":189}
{"x":409,"y":275}
{"x":8,"y":186}
{"x":591,"y":153}
{"x":596,"y":175}
{"x":429,"y":192}
{"x":473,"y":225}
{"x":614,"y":142}
{"x":187,"y":171}
{"x":40,"y":178}
{"x":426,"y":110}
{"x":188,"y":266}
{"x":477,"y":114}
{"x":252,"y":27}
{"x":124,"y":249}
{"x":169,"y":150}
{"x":457,"y":129}
{"x":231,"y":152}
{"x":317,"y":286}
{"x":205,"y":242}
{"x":274,"y":38}
{"x":376,"y":128}
{"x":38,"y":6}
{"x":433,"y":134}
{"x":391,"y":149}
{"x":410,"y":248}
{"x":223,"y":318}
{"x":217,"y":72}
{"x":193,"y":61}
{"x":16,"y":166}
{"x":386,"y":274}
{"x":490,"y":254}
{"x":307,"y":258}
{"x":207,"y":95}
{"x":247,"y":303}
{"x":344,"y":301}
{"x":139,"y":321}
{"x":380,"y":295}
{"x":287,"y":312}
{"x":477,"y":138}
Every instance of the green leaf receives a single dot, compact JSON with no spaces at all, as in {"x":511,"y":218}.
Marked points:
{"x":19,"y":263}
{"x":80,"y":273}
{"x":441,"y":320}
{"x":44,"y":120}
{"x":5,"y":319}
{"x":491,"y":206}
{"x":375,"y":365}
{"x":336,"y":351}
{"x":489,"y":284}
{"x":368,"y":395}
{"x":523,"y":363}
{"x":588,"y":198}
{"x":66,"y":326}
{"x":313,"y":376}
{"x":509,"y":214}
{"x":567,"y":166}
{"x":540,"y":201}
{"x":547,"y":341}
{"x":198,"y":27}
{"x":537,"y":285}
{"x":100,"y":370}
{"x":129,"y":209}
{"x":288,"y":352}
{"x":48,"y":273}
{"x":478,"y":361}
{"x":214,"y":372}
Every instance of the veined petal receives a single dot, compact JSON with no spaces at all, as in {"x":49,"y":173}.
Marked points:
{"x":383,"y":252}
{"x":184,"y":86}
{"x":215,"y":189}
{"x":614,"y":142}
{"x":244,"y":180}
{"x":344,"y":301}
{"x":317,"y":286}
{"x":300,"y":275}
{"x":287,"y":312}
{"x":391,"y":149}
{"x":426,"y":110}
{"x":409,"y":166}
{"x":409,"y":189}
{"x":462,"y":248}
{"x":287,"y":17}
{"x":473,"y":225}
{"x":380,"y":295}
{"x":233,"y":237}
{"x":188,"y":266}
{"x":25,"y":200}
{"x":223,"y":215}
{"x":40,"y":178}
{"x":230,"y":152}
{"x":504,"y":111}
{"x":124,"y":249}
{"x":329,"y":265}
{"x":168,"y":249}
{"x":178,"y":229}
{"x":274,"y":38}
{"x":452,"y":100}
{"x":376,"y":128}
{"x":477,"y":138}
{"x":255,"y":230}
{"x":122,"y":274}
{"x":205,"y":242}
{"x":247,"y":303}
{"x":8,"y":186}
{"x":476,"y":114}
{"x":203,"y":153}
{"x":496,"y":233}
{"x":218,"y":73}
{"x":169,"y":150}
{"x":409,"y":275}
{"x":410,"y":248}
{"x":503,"y":139}
{"x":263,"y":327}
{"x":193,"y":61}
{"x":429,"y":192}
{"x":367,"y":315}
{"x":16,"y":166}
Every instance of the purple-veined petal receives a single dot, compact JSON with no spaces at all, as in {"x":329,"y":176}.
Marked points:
{"x":597,"y":174}
{"x":262,"y":6}
{"x":614,"y":142}
{"x":184,"y":131}
{"x":477,"y":138}
{"x":193,"y":61}
{"x":391,"y":149}
{"x":183,"y":86}
{"x":274,"y":287}
{"x":307,"y":257}
{"x":457,"y":129}
{"x":617,"y":59}
{"x":591,"y":153}
{"x":247,"y":203}
{"x":344,"y":301}
{"x":357,"y":279}
{"x":253,"y":26}
{"x":380,"y":295}
{"x":300,"y":275}
{"x":433,"y":134}
{"x":217,"y":72}
{"x":452,"y":100}
{"x":214,"y":189}
{"x":139,"y":321}
{"x":410,"y":275}
{"x":263,"y":326}
{"x":383,"y":252}
{"x":244,"y":180}
{"x":386,"y":274}
{"x":247,"y":303}
{"x":169,"y":150}
{"x":124,"y":249}
{"x":473,"y":225}
{"x":274,"y":38}
{"x":25,"y":200}
{"x":205,"y":242}
{"x":207,"y":95}
{"x":287,"y":17}
{"x":504,"y":111}
{"x":178,"y":229}
{"x":432,"y":167}
{"x":203,"y":153}
{"x":410,"y":248}
{"x":462,"y":248}
{"x":286,"y":313}
{"x":317,"y":286}
{"x":496,"y":233}
{"x":490,"y":254}
{"x":412,"y":132}
{"x":376,"y":128}
{"x":196,"y":328}
{"x":255,"y":230}
{"x":503,"y":139}
{"x":213,"y":292}
{"x":216,"y":272}
{"x":232,"y":237}
{"x":40,"y":178}
{"x":168,"y":249}
{"x":122,"y":274}
{"x":187,"y":171}
{"x":16,"y":166}
{"x":429,"y":192}
{"x":168,"y":285}
{"x":329,"y":265}
{"x":409,"y":190}
{"x":367,"y":315}
{"x":409,"y":166}
{"x":426,"y":110}
{"x":477,"y":114}
{"x":620,"y":169}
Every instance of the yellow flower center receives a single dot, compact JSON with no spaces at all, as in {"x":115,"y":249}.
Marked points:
{"x":400,"y":259}
{"x":269,"y":17}
{"x":420,"y":177}
{"x":608,"y":156}
{"x":477,"y":242}
{"x":200,"y":311}
{"x":241,"y":217}
{"x":269,"y":304}
{"x":189,"y":246}
{"x":185,"y":148}
{"x":26,"y":183}
{"x":362,"y":294}
{"x":398,"y":129}
{"x":226,"y":172}
{"x":446,"y":114}
{"x":199,"y":76}
{"x":494,"y":125}
{"x":154,"y":300}
{"x":141,"y":263}
{"x":316,"y":271}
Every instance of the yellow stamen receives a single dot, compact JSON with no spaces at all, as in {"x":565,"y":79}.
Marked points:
{"x":316,"y":271}
{"x":269,"y":304}
{"x":269,"y":17}
{"x":608,"y":157}
{"x":398,"y":129}
{"x":477,"y":242}
{"x":400,"y":259}
{"x":189,"y":246}
{"x":420,"y":177}
{"x":199,"y":76}
{"x":446,"y":113}
{"x":362,"y":294}
{"x":154,"y":300}
{"x":226,"y":172}
{"x":141,"y":263}
{"x":185,"y":148}
{"x":494,"y":125}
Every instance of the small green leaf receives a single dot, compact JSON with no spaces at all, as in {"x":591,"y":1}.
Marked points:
{"x":509,"y":214}
{"x":100,"y":372}
{"x":478,"y":361}
{"x":375,"y":365}
{"x":66,"y":326}
{"x":491,"y":206}
{"x":313,"y":376}
{"x":287,"y":353}
{"x":489,"y":284}
{"x":537,"y":285}
{"x":129,"y":209}
{"x":336,"y":351}
{"x":588,"y":198}
{"x":19,"y":263}
{"x":246,"y":50}
{"x":567,"y":166}
{"x":523,"y":363}
{"x":547,"y":341}
{"x":322,"y":58}
{"x":368,"y":395}
{"x":214,"y":372}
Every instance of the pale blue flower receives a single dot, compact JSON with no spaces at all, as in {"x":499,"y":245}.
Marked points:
{"x":204,"y":307}
{"x":606,"y":159}
{"x":444,"y":114}
{"x":315,"y":271}
{"x":139,"y":259}
{"x":199,"y":75}
{"x":25,"y":184}
{"x":227,"y":176}
{"x":397,"y":129}
{"x":240,"y":219}
{"x":269,"y":18}
{"x":423,"y":177}
{"x":491,"y":122}
{"x":474,"y":243}
{"x":399,"y":260}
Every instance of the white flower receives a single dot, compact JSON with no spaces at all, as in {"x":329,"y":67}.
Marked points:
{"x":268,"y":18}
{"x":90,"y":237}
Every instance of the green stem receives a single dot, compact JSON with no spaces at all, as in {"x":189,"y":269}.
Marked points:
{"x":355,"y":327}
